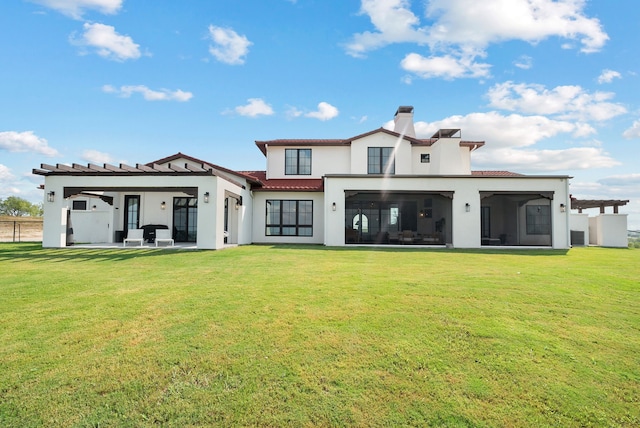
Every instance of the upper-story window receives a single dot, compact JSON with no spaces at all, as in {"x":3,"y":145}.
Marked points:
{"x":297,"y":161}
{"x":380,"y":160}
{"x":425,"y":158}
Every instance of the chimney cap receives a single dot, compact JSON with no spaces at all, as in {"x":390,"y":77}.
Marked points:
{"x":404,"y":109}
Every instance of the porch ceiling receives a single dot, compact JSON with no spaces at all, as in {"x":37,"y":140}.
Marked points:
{"x":91,"y":190}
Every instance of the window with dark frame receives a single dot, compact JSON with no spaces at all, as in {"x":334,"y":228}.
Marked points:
{"x":538,"y":219}
{"x":380,"y":160}
{"x":79,"y":206}
{"x":425,"y":158}
{"x":289,"y":218}
{"x":297,"y":162}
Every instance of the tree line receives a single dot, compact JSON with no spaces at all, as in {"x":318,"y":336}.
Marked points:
{"x":17,"y":207}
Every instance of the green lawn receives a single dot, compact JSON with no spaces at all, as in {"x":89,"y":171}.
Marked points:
{"x":314,"y":336}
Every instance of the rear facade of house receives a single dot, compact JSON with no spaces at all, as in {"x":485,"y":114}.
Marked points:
{"x":382,"y":187}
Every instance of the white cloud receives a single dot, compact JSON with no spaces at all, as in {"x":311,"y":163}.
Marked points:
{"x":575,"y":158}
{"x":5,"y":173}
{"x":607,"y":76}
{"x":510,"y":140}
{"x":255,"y":107}
{"x":447,"y":67}
{"x":149,"y":94}
{"x":107,"y":42}
{"x":325,"y":112}
{"x":229,"y":47}
{"x":76,"y":8}
{"x":568,"y":102}
{"x":96,"y":157}
{"x":524,"y":62}
{"x":633,"y":132}
{"x":477,"y":23}
{"x":293,"y":112}
{"x":27,"y":141}
{"x":394,"y":22}
{"x":461,"y":30}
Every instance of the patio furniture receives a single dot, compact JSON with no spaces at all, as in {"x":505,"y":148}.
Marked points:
{"x":164,"y":235}
{"x":407,"y":237}
{"x":134,"y":235}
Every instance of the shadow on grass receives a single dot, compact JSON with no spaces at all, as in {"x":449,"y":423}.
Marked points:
{"x":409,"y":249}
{"x":35,"y":252}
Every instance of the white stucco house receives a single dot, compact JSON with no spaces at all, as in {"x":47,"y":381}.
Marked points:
{"x":379,"y":188}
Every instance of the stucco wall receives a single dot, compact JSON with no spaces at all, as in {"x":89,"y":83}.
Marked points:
{"x":259,"y":217}
{"x":612,"y":230}
{"x":324,"y":160}
{"x":210,"y":220}
{"x":466,"y":190}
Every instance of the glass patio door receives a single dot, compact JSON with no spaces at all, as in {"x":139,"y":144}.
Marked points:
{"x":131,"y":212}
{"x":185,"y":219}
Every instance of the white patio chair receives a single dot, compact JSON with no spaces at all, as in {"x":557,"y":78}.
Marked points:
{"x":134,"y":235}
{"x":164,"y":235}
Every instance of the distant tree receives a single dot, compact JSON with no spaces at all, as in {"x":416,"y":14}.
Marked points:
{"x":18,"y":207}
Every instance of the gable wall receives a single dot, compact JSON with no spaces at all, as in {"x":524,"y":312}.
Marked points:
{"x":324,"y":160}
{"x":359,"y":152}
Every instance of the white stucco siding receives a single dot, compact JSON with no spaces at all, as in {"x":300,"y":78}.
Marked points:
{"x":558,"y":186}
{"x":466,"y":190}
{"x":359,"y":152}
{"x":210,"y":220}
{"x":449,"y":158}
{"x":611,"y":230}
{"x":580,"y":223}
{"x":260,"y":217}
{"x":417,"y":166}
{"x":324,"y":160}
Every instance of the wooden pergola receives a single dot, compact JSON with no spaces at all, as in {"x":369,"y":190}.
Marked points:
{"x":583,"y":204}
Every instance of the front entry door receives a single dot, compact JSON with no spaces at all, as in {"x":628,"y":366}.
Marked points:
{"x":185,"y":219}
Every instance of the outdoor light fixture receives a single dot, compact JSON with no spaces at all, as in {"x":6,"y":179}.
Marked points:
{"x":238,"y":202}
{"x":563,"y":208}
{"x":51,"y":196}
{"x":206,"y":197}
{"x":163,"y":205}
{"x":333,"y":206}
{"x":93,"y":208}
{"x":467,"y":207}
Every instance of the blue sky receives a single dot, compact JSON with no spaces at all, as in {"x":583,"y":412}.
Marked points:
{"x":550,"y":86}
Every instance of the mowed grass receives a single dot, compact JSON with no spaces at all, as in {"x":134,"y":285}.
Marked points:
{"x":314,"y":336}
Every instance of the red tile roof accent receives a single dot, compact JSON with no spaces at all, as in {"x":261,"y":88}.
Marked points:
{"x":262,"y":145}
{"x":205,"y":165}
{"x":285,"y":184}
{"x":496,"y":174}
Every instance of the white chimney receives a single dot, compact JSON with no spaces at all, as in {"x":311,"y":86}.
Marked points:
{"x":403,"y":121}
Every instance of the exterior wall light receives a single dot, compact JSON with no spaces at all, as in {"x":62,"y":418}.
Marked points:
{"x":238,"y":202}
{"x":93,"y":208}
{"x":467,"y":207}
{"x":163,"y":205}
{"x":563,"y":208}
{"x":51,"y":196}
{"x":333,"y":206}
{"x":206,"y":197}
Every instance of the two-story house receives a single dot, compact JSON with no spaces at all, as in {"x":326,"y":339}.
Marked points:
{"x":381,"y":188}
